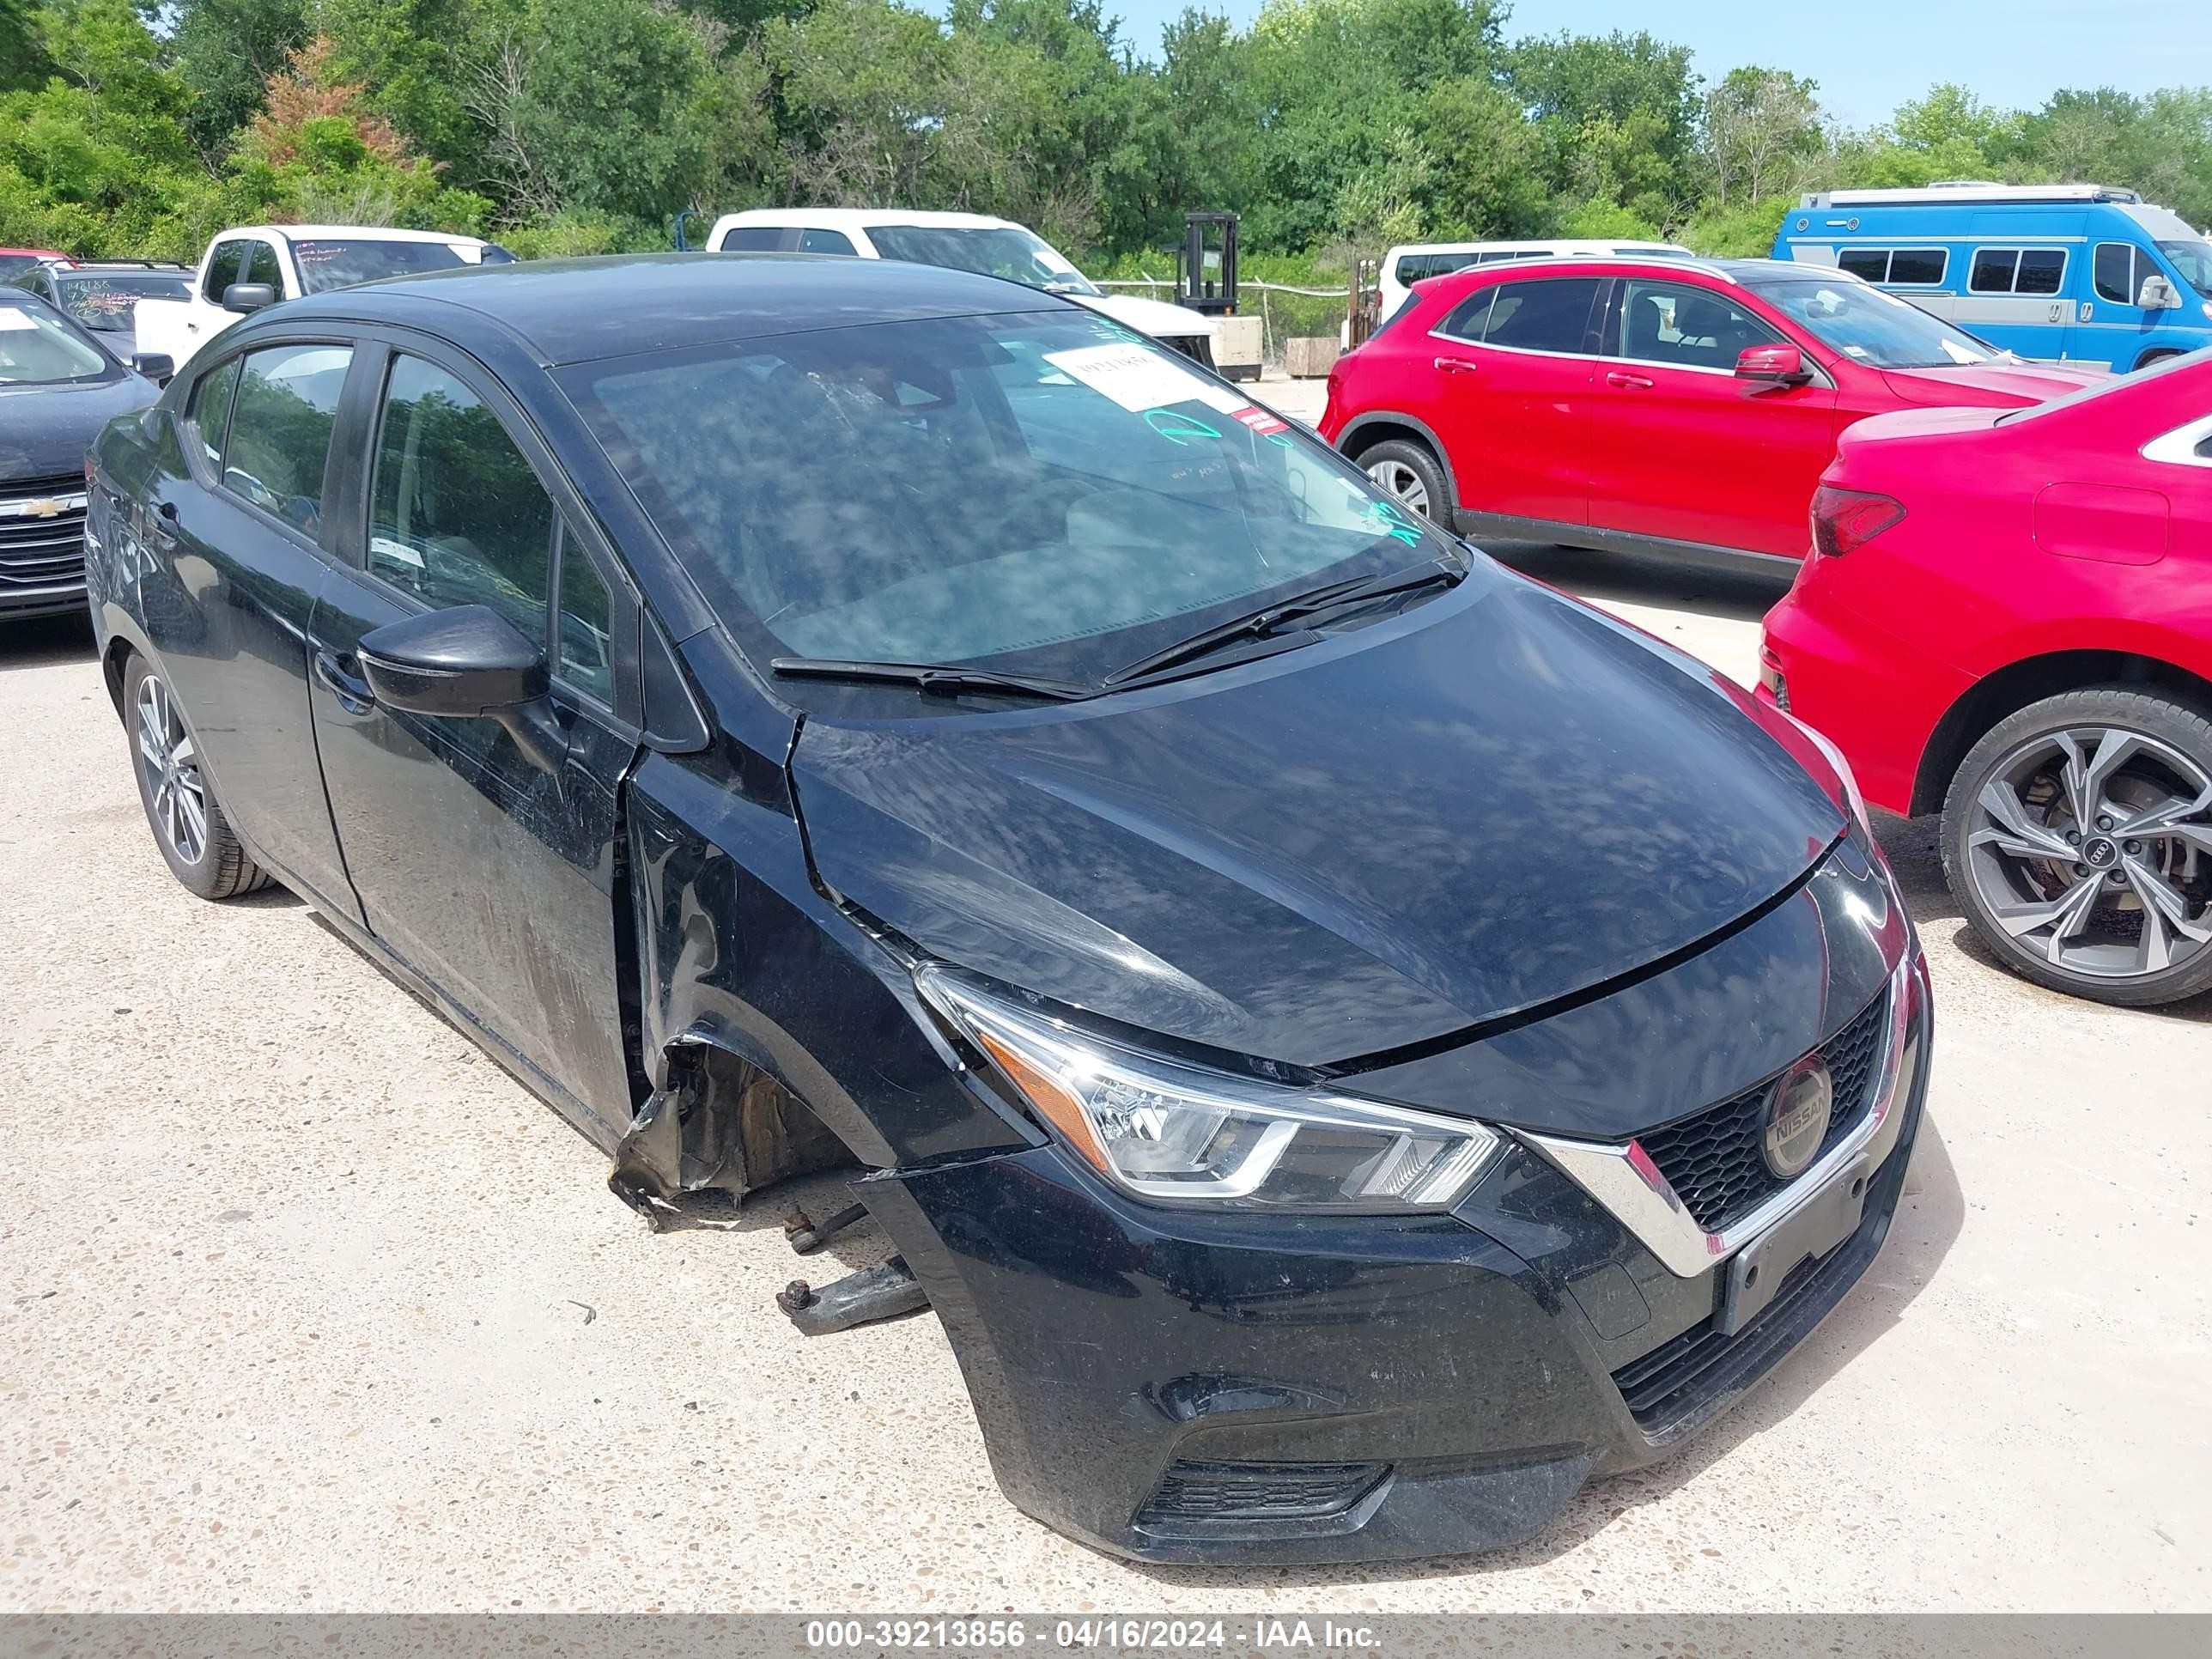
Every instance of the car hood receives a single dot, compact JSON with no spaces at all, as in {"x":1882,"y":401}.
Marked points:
{"x":46,"y":429}
{"x":1497,"y":801}
{"x":1154,"y":317}
{"x":1990,"y":383}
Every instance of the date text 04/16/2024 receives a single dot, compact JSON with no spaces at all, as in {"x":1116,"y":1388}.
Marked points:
{"x":980,"y":1635}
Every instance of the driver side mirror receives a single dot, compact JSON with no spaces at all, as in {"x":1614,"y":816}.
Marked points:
{"x":2157,"y":294}
{"x":243,"y":297}
{"x":1774,"y":365}
{"x":468,"y":663}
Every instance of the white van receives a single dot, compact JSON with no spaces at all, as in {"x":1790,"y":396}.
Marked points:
{"x":960,"y":241}
{"x":1416,"y":262}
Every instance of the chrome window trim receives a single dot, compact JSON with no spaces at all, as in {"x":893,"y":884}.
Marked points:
{"x":2179,"y":447}
{"x":1654,"y":1213}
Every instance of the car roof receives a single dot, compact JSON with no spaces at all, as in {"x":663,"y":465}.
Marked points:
{"x":863,"y":218}
{"x":94,"y":267}
{"x":567,"y":311}
{"x":330,"y":233}
{"x":1746,"y":273}
{"x":1606,"y":243}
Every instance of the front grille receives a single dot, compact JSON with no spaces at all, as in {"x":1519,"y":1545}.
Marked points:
{"x":1713,"y":1160}
{"x":1259,"y":1491}
{"x":41,"y":552}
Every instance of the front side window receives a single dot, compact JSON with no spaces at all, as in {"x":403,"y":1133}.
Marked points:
{"x":328,"y":264}
{"x":2193,"y":259}
{"x":211,"y":401}
{"x":279,"y":438}
{"x":224,"y":265}
{"x":37,"y":348}
{"x":1048,"y":493}
{"x":583,"y":651}
{"x":1546,"y":314}
{"x":2114,"y":272}
{"x":1686,"y":327}
{"x":456,"y":515}
{"x":1871,"y":327}
{"x":1006,"y":251}
{"x":108,"y":301}
{"x":261,"y":267}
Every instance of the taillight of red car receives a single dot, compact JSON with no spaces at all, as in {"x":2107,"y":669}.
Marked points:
{"x":1845,"y":518}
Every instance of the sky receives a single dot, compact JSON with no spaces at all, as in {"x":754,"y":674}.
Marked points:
{"x":1868,"y":56}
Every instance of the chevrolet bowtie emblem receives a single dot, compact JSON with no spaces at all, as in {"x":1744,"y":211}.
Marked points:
{"x":49,"y":508}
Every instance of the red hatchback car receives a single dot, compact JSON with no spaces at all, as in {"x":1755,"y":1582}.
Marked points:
{"x":2008,"y":617}
{"x":1684,"y":407}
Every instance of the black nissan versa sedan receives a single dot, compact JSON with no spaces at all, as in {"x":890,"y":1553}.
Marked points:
{"x":1349,"y":1043}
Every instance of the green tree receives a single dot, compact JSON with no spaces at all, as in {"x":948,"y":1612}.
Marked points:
{"x":225,"y":50}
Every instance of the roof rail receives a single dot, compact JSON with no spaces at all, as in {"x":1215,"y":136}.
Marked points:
{"x":1966,"y":189}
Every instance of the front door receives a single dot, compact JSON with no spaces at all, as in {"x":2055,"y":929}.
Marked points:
{"x":1683,"y":450}
{"x":493,"y":879}
{"x":2109,"y":327}
{"x":1510,"y":368}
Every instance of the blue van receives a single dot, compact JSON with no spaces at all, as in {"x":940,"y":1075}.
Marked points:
{"x":2078,"y":273}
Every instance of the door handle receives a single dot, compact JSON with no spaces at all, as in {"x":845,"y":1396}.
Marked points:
{"x":1617,"y":377}
{"x":1455,"y":365}
{"x":353,"y":695}
{"x":161,"y":532}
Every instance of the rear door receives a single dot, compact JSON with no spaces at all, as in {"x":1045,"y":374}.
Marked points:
{"x":1680,"y":447}
{"x":238,"y":549}
{"x":492,"y":879}
{"x":1509,"y":372}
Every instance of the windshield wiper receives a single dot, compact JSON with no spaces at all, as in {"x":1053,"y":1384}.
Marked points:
{"x":939,"y":679}
{"x":1258,"y":624}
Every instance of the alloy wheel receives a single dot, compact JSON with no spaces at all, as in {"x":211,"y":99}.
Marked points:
{"x":173,"y":772}
{"x":2092,"y":848}
{"x":1400,"y":480}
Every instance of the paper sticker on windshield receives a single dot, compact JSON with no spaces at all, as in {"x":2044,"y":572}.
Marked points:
{"x":1140,"y":378}
{"x":1258,"y":420}
{"x":14,"y":321}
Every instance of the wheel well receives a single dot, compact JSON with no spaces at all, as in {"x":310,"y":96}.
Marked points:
{"x":2150,"y":357}
{"x":1382,"y":432}
{"x":2011,"y":689}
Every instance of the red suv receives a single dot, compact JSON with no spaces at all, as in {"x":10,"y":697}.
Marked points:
{"x":2008,"y":617}
{"x":1687,"y":408}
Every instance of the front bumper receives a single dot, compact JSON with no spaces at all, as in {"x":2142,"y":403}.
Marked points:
{"x":1176,"y":1386}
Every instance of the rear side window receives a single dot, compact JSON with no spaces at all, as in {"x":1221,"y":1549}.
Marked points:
{"x":261,"y":267}
{"x":1552,"y":314}
{"x":2035,"y":270}
{"x":754,"y":239}
{"x":279,"y":438}
{"x":456,"y":515}
{"x":1902,"y":267}
{"x":223,"y":267}
{"x":1420,"y":267}
{"x":825,"y":242}
{"x":2115,"y":272}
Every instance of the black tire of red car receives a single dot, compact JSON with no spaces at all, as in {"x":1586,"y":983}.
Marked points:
{"x":2159,"y":716}
{"x":206,"y":856}
{"x":1416,"y":458}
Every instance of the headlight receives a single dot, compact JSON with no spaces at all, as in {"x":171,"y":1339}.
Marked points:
{"x":1852,"y":798}
{"x":1165,"y":1131}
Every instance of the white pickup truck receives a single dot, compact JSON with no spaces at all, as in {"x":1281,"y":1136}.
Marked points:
{"x":256,"y":265}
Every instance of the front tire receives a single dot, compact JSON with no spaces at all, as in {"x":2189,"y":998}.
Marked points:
{"x":1411,"y":476}
{"x":189,"y":827}
{"x":2077,"y":837}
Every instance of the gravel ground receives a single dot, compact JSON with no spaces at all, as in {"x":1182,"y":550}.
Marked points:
{"x":306,"y":1305}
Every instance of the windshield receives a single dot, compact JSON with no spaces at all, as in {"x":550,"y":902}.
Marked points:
{"x":1006,"y":251}
{"x":1048,"y":494}
{"x":2193,"y":259}
{"x":1872,"y":327}
{"x":324,"y":265}
{"x":38,"y":348}
{"x":103,"y":301}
